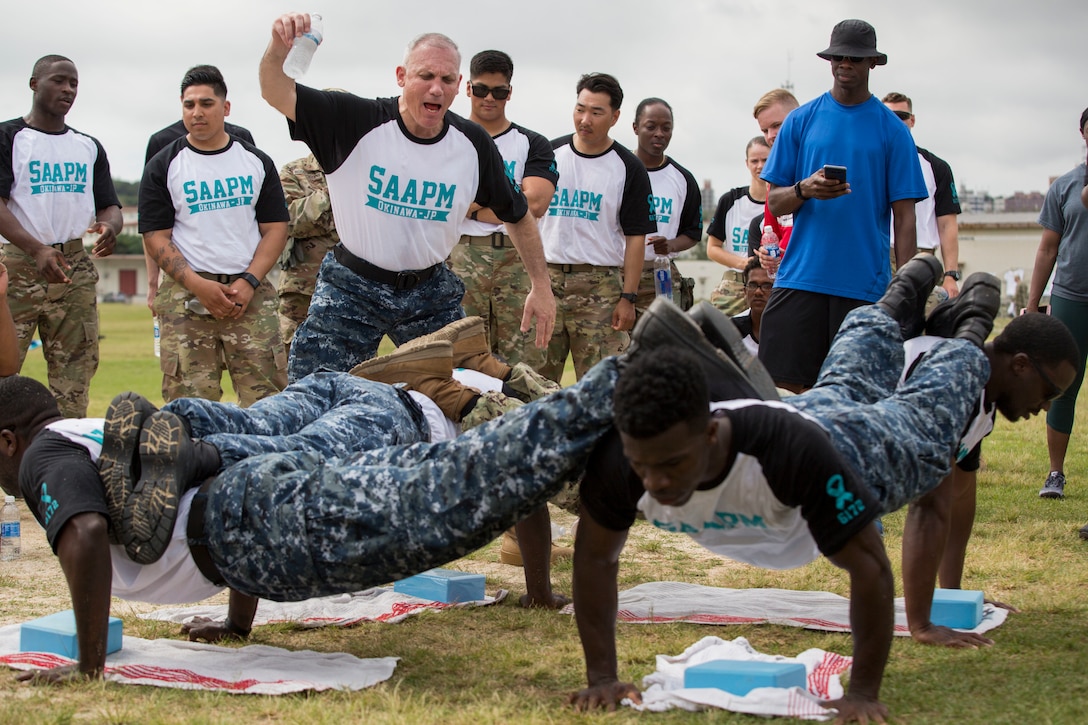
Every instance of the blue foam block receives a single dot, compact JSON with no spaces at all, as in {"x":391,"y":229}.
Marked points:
{"x":56,"y":634}
{"x":740,"y":677}
{"x":957,"y":608}
{"x":443,"y":585}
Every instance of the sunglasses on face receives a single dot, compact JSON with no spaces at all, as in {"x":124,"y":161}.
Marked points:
{"x":903,"y":115}
{"x":765,"y":286}
{"x":851,"y":58}
{"x":479,"y":90}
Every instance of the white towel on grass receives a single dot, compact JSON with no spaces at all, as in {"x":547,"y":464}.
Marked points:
{"x":252,"y":670}
{"x":662,"y":602}
{"x":379,"y":604}
{"x":664,"y":688}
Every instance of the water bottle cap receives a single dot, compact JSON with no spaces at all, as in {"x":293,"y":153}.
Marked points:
{"x":9,"y":499}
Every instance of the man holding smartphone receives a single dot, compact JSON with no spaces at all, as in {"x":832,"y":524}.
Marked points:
{"x":837,"y":258}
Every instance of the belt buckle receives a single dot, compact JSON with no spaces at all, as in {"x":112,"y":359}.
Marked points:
{"x":497,"y":241}
{"x":567,"y":268}
{"x":406,"y":281}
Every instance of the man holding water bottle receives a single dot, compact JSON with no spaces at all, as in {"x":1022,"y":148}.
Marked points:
{"x":844,"y":166}
{"x":403,"y":174}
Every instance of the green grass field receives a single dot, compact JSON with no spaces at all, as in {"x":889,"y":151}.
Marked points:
{"x":502,"y":664}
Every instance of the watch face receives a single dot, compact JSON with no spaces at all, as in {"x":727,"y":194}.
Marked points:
{"x":953,"y":274}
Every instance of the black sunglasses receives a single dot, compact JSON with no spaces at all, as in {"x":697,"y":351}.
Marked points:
{"x":1054,"y":391}
{"x":765,"y":286}
{"x":851,"y":58}
{"x":479,"y":90}
{"x":903,"y":115}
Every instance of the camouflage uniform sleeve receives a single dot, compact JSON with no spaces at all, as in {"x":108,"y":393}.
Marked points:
{"x":307,"y":200}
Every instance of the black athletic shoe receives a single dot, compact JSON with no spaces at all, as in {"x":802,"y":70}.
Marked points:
{"x":905,"y":298}
{"x":118,"y":464}
{"x":970,"y":315}
{"x":171,"y":463}
{"x":720,"y":331}
{"x":664,"y":325}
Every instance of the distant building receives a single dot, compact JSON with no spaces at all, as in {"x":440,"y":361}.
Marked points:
{"x":1021,"y":201}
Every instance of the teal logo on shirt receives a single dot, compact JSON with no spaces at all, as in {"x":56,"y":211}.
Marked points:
{"x":576,"y":203}
{"x":219,"y":194}
{"x":411,"y":198}
{"x":660,"y":209}
{"x":55,"y":178}
{"x":721,"y":520}
{"x":845,"y":502}
{"x":49,"y":505}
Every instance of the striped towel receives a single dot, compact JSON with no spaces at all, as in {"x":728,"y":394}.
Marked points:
{"x":251,"y":670}
{"x":662,"y":602}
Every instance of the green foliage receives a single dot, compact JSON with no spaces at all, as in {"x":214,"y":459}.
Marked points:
{"x":128,"y":192}
{"x":129,"y":244}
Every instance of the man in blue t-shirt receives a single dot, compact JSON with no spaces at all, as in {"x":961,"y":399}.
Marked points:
{"x":837,"y":256}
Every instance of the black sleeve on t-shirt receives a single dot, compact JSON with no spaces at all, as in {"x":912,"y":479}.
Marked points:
{"x":156,"y":205}
{"x":540,"y":161}
{"x":973,"y":460}
{"x":496,"y":191}
{"x":804,"y":469}
{"x":755,"y":235}
{"x":105,"y":195}
{"x":271,"y":205}
{"x":945,"y":199}
{"x":725,"y":203}
{"x":332,"y":122}
{"x":610,"y":490}
{"x":59,"y":480}
{"x":691,"y":216}
{"x":636,"y":215}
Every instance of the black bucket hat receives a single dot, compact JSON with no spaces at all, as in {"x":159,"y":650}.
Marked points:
{"x":855,"y":39}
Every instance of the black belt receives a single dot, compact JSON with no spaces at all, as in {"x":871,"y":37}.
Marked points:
{"x":400,"y":281}
{"x":70,"y":247}
{"x":495,"y":240}
{"x":194,"y":531}
{"x":220,"y":278}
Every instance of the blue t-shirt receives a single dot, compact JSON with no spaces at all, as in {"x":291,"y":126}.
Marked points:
{"x":1064,"y":213}
{"x":840,"y":246}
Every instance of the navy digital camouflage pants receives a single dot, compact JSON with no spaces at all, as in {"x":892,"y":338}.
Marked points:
{"x":349,"y":315}
{"x":900,"y":438}
{"x":334,"y":414}
{"x":290,"y":526}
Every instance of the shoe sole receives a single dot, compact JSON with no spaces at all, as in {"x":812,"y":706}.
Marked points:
{"x":1051,"y":494}
{"x":152,"y":509}
{"x":664,"y":325}
{"x":944,"y":320}
{"x":723,"y":334}
{"x":116,"y":463}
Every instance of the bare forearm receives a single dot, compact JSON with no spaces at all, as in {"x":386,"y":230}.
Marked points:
{"x":1045,"y":257}
{"x":783,"y":200}
{"x":9,"y":342}
{"x":269,"y":249}
{"x":905,"y":231}
{"x":716,"y":251}
{"x":161,"y":248}
{"x":14,"y":232}
{"x":633,"y":256}
{"x":84,"y":555}
{"x":525,"y":235}
{"x":276,"y":87}
{"x":925,"y":535}
{"x":111,"y":215}
{"x":948,"y":230}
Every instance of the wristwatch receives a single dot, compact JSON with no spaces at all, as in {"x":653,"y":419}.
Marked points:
{"x":631,"y":297}
{"x":253,"y":281}
{"x":954,"y":274}
{"x":473,"y":215}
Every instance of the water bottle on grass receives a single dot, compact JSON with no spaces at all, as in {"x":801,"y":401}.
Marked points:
{"x":10,"y":546}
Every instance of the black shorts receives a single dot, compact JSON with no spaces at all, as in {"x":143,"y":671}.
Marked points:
{"x":796,"y":333}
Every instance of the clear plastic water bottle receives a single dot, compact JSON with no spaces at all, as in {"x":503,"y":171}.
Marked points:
{"x":158,"y":342}
{"x":10,"y":546}
{"x":302,"y":50}
{"x":662,"y":276}
{"x":769,"y":242}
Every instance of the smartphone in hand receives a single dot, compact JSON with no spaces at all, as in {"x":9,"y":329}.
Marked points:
{"x":836,"y":173}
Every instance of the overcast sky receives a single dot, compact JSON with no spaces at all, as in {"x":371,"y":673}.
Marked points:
{"x":997,"y":86}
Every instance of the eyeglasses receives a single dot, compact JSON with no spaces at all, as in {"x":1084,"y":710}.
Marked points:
{"x":479,"y":90}
{"x":903,"y":115}
{"x":1054,"y":391}
{"x":851,"y":58}
{"x":765,"y":286}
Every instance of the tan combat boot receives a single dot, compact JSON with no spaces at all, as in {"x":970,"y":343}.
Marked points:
{"x":470,"y":348}
{"x":426,"y":368}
